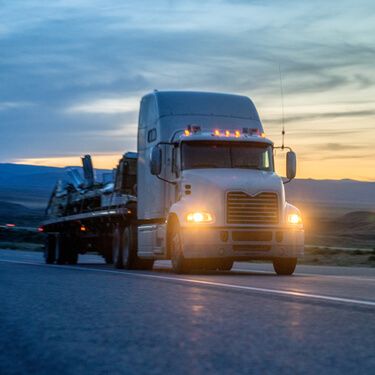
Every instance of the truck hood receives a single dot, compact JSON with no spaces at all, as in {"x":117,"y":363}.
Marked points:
{"x":208,"y":188}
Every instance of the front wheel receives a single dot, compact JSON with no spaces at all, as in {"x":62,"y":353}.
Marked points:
{"x":179,"y":263}
{"x":284,"y":266}
{"x":225,"y":265}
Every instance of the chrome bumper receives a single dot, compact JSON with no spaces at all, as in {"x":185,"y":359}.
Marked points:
{"x":242,"y":242}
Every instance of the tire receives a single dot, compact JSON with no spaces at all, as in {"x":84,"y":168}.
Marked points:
{"x":211,"y":264}
{"x":108,"y":258}
{"x":179,"y":263}
{"x":284,"y":266}
{"x":225,"y":265}
{"x":50,"y":249}
{"x":61,"y":249}
{"x":117,"y":259}
{"x":129,"y":251}
{"x":72,"y":257}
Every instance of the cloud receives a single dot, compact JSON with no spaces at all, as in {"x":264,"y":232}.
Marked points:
{"x":324,"y":116}
{"x":85,"y":64}
{"x":4,"y":106}
{"x":106,"y":106}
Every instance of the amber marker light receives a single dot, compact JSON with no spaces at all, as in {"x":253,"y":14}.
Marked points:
{"x":83,"y":228}
{"x":237,"y":134}
{"x":187,"y":132}
{"x":217,"y":132}
{"x":227,"y":133}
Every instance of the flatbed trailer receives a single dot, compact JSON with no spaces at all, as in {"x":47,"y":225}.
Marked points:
{"x":89,"y":230}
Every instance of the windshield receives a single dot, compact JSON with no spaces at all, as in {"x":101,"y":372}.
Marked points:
{"x":208,"y":154}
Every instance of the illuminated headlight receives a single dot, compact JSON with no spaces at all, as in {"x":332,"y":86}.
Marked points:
{"x":294,"y":219}
{"x":199,"y":217}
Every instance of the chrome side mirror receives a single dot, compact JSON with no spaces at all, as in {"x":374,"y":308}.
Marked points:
{"x":291,"y":165}
{"x":156,"y":161}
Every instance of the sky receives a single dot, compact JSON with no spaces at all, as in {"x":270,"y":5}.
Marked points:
{"x":72,"y":73}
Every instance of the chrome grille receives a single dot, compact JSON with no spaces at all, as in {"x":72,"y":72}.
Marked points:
{"x":245,"y":209}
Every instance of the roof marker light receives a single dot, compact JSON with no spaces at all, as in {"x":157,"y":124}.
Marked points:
{"x":237,"y":134}
{"x":187,"y":132}
{"x":217,"y":132}
{"x":227,"y":133}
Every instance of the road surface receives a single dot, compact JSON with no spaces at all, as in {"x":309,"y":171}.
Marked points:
{"x":92,"y":319}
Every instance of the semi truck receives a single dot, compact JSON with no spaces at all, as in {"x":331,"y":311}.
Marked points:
{"x":201,"y":191}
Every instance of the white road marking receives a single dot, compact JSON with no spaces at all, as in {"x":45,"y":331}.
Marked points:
{"x":254,"y":270}
{"x":208,"y":283}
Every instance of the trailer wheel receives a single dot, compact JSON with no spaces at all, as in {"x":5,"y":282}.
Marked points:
{"x":72,"y":257}
{"x":179,"y":263}
{"x":117,"y":259}
{"x":225,"y":265}
{"x":50,"y":249}
{"x":61,"y":249}
{"x":284,"y":266}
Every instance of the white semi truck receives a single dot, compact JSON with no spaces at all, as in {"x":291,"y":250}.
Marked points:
{"x":206,"y":193}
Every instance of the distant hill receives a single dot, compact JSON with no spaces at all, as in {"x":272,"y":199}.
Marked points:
{"x":19,"y":214}
{"x":31,"y":186}
{"x":329,"y":191}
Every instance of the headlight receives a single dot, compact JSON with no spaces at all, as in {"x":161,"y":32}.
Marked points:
{"x":199,"y":217}
{"x":294,"y":219}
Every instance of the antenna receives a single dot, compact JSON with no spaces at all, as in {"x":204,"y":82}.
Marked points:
{"x":282,"y":110}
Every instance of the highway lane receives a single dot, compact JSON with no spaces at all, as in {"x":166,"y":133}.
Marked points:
{"x":93,"y":319}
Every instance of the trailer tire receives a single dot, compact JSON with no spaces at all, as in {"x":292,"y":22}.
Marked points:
{"x":72,"y":257}
{"x":284,"y":266}
{"x":117,"y":259}
{"x":179,"y":263}
{"x":61,"y":249}
{"x":50,"y":249}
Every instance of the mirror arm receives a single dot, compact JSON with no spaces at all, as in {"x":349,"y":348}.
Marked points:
{"x":161,"y":178}
{"x":282,"y":148}
{"x":287,"y":181}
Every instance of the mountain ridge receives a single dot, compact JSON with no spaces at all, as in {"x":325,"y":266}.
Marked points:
{"x":31,"y":186}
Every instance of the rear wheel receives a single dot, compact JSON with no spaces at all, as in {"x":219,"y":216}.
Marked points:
{"x":117,"y":259}
{"x":50,"y":249}
{"x":129,"y":251}
{"x":61,"y":249}
{"x":284,"y":266}
{"x":179,"y":263}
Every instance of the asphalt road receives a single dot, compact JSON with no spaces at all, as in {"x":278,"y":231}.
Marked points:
{"x":92,"y":319}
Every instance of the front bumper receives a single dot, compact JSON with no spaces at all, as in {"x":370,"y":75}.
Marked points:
{"x":242,"y":243}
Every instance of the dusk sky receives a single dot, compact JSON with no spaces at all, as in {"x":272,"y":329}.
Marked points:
{"x":72,"y":74}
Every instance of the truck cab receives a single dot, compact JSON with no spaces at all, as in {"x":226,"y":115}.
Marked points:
{"x":207,"y":190}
